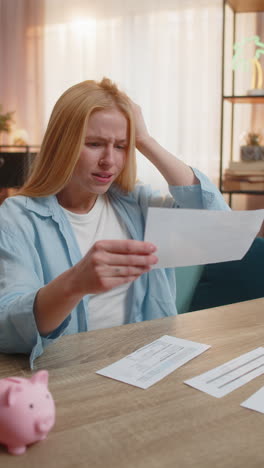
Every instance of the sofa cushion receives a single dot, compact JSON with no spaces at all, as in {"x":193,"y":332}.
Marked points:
{"x":230,"y":282}
{"x":187,"y":279}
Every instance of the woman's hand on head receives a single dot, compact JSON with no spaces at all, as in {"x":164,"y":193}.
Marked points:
{"x":140,"y":126}
{"x":110,"y":263}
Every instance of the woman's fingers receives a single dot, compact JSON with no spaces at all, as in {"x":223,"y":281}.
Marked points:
{"x":132,"y":253}
{"x":110,"y":263}
{"x":125,"y":271}
{"x":141,"y":128}
{"x":127,"y":246}
{"x":125,"y":260}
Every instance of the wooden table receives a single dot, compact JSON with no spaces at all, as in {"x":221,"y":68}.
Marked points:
{"x":105,"y":423}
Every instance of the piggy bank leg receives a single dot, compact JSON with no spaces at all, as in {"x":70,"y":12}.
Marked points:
{"x":16,"y":450}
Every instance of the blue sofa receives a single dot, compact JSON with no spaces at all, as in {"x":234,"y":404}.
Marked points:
{"x":212,"y":285}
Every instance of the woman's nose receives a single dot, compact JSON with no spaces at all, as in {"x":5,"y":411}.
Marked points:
{"x":107,"y":156}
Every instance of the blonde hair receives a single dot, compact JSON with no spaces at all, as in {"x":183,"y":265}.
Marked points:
{"x":65,"y":134}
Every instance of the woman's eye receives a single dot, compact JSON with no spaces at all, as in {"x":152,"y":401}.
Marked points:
{"x":121,"y":147}
{"x":93,"y":144}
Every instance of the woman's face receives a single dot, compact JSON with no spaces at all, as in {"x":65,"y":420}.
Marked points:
{"x":102,"y":158}
{"x":104,"y":153}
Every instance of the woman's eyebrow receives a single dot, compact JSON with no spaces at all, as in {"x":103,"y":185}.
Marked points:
{"x":94,"y":137}
{"x":97,"y":137}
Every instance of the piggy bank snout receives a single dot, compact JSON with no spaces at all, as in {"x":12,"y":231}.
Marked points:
{"x":43,"y":425}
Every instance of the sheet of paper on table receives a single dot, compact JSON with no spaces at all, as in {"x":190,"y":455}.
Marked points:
{"x":233,"y":374}
{"x":196,"y":237}
{"x":255,"y":402}
{"x":153,"y":362}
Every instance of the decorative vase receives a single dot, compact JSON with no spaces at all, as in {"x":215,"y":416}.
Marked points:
{"x":252,"y":153}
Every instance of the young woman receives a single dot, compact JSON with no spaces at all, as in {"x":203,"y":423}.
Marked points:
{"x":72,"y":255}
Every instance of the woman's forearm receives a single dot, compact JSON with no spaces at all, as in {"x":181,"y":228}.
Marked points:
{"x":175,"y":171}
{"x":55,"y":301}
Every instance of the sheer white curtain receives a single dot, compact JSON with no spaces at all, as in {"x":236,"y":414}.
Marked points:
{"x":165,"y":54}
{"x":21,"y":65}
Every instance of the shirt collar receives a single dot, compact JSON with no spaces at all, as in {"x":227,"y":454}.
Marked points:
{"x":44,"y":206}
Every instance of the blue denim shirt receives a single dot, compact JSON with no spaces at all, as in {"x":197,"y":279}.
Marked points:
{"x":37,"y":244}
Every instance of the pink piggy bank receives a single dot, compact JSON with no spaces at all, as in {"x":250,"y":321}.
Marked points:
{"x":27,"y":411}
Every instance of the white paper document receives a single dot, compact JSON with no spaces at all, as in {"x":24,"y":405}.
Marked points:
{"x":196,"y":237}
{"x":154,"y":361}
{"x":224,"y":379}
{"x":256,"y":401}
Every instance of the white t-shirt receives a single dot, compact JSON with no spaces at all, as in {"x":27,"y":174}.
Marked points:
{"x":101,"y":222}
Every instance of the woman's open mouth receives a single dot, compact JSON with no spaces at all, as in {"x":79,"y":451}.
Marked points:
{"x":102,"y":177}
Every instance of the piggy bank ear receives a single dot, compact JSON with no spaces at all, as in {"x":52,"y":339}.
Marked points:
{"x":12,"y":393}
{"x":40,"y":377}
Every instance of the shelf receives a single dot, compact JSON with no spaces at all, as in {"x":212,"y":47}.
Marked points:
{"x":246,"y":6}
{"x":19,"y":146}
{"x":245,"y":192}
{"x":22,"y":149}
{"x":245,"y":99}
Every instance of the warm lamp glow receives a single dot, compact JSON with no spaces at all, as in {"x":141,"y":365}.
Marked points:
{"x":20,"y":137}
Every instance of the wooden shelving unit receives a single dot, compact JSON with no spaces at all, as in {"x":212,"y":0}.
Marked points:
{"x":237,"y":7}
{"x":246,"y":6}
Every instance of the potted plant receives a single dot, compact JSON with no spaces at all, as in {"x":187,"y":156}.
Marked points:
{"x":6,"y":121}
{"x":252,"y":150}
